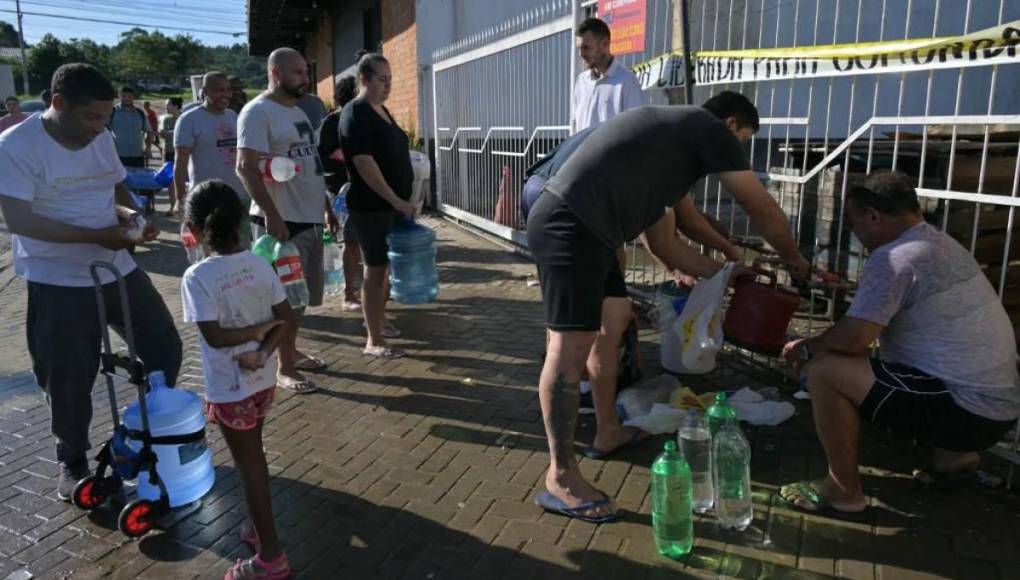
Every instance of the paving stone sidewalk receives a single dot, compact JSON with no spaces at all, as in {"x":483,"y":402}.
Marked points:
{"x":426,"y":467}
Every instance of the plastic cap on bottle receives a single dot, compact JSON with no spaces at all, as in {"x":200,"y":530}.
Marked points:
{"x":720,"y":397}
{"x":670,"y":445}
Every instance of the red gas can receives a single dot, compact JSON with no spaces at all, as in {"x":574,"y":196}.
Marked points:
{"x":759,"y":315}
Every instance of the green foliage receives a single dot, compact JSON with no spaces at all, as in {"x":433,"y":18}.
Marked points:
{"x":142,"y":55}
{"x":8,"y":35}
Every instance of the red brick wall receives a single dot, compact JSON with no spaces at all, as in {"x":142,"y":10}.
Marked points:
{"x":400,"y":46}
{"x":320,"y":51}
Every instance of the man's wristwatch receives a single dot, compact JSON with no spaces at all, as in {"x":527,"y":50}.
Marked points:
{"x":804,"y":352}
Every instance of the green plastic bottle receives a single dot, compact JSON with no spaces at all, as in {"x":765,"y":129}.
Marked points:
{"x":265,"y":248}
{"x":720,"y":413}
{"x":672,"y":521}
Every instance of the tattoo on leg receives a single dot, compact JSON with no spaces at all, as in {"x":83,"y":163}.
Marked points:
{"x":562,"y":418}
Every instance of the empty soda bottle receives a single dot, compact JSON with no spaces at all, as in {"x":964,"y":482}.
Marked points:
{"x":731,"y":455}
{"x":284,"y":256}
{"x":672,"y":522}
{"x":696,"y":446}
{"x":191,"y":246}
{"x":265,"y":248}
{"x":279,"y":169}
{"x":721,"y":413}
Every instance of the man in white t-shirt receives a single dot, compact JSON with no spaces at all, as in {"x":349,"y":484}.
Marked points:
{"x":205,"y":141}
{"x":607,"y":88}
{"x":602,"y":92}
{"x":271,"y":125}
{"x":62,"y":196}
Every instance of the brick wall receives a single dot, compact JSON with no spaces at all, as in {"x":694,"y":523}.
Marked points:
{"x":400,"y":46}
{"x":320,"y":51}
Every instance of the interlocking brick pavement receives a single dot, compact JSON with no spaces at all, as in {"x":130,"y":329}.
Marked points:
{"x":426,"y":467}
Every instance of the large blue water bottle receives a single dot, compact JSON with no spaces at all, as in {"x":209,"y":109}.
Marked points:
{"x":186,"y":469}
{"x":413,"y":275}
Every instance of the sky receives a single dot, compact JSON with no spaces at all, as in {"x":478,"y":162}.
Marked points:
{"x":210,"y":21}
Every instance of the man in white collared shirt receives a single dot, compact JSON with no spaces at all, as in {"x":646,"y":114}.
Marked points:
{"x":607,"y":88}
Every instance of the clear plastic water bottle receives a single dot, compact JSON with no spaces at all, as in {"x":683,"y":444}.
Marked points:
{"x":284,"y":256}
{"x":279,"y":169}
{"x":137,"y":230}
{"x":333,"y":265}
{"x":731,"y":456}
{"x":672,"y":521}
{"x":696,"y":446}
{"x":191,"y":246}
{"x":721,"y":413}
{"x":413,"y":275}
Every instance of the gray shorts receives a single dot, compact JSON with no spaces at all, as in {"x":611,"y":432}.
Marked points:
{"x":309,"y":244}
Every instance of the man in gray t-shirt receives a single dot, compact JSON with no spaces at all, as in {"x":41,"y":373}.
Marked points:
{"x":946,"y":373}
{"x":294,"y":210}
{"x":205,"y":139}
{"x":617,"y":186}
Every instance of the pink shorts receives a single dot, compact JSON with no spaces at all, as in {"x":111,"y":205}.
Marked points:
{"x":244,"y":414}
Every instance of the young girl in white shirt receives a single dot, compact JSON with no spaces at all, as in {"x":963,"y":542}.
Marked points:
{"x":239,"y":304}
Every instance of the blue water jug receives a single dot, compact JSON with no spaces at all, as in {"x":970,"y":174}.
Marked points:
{"x":186,"y":469}
{"x":413,"y":275}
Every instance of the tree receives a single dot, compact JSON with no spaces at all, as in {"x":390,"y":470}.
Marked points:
{"x":8,"y":35}
{"x":44,"y":58}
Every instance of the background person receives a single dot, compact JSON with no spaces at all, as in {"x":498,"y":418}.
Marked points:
{"x":153,"y":138}
{"x":336,"y":176}
{"x":272,"y":125}
{"x":167,"y":122}
{"x":14,"y":114}
{"x":62,"y":197}
{"x":130,"y":128}
{"x":376,"y":152}
{"x":205,"y":142}
{"x":238,"y":98}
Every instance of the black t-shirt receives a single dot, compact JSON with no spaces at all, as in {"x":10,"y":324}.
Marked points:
{"x":364,"y":132}
{"x":328,"y":142}
{"x":624,"y":175}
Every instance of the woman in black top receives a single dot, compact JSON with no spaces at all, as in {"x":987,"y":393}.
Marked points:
{"x":376,"y":153}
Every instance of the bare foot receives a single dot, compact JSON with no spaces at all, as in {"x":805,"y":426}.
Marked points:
{"x":612,"y":438}
{"x":828,"y":494}
{"x":953,"y":461}
{"x":573,"y":490}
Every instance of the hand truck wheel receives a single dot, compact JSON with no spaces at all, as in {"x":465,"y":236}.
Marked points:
{"x":137,"y":518}
{"x":88,"y":493}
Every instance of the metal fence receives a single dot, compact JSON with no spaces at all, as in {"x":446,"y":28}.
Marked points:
{"x":956,"y":131}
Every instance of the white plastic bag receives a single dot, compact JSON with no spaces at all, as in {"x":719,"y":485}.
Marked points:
{"x":754,"y":409}
{"x":691,"y":340}
{"x":639,"y":400}
{"x":662,"y":418}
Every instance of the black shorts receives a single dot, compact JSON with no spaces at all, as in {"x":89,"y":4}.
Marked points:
{"x":371,"y":229}
{"x":911,"y":402}
{"x":576,"y":270}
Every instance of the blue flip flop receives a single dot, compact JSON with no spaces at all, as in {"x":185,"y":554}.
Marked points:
{"x":553,"y":504}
